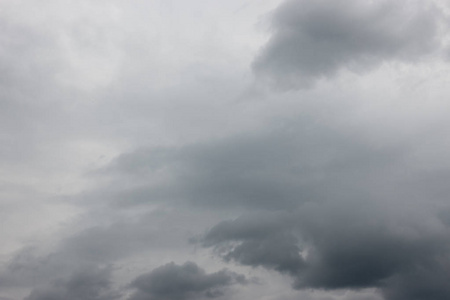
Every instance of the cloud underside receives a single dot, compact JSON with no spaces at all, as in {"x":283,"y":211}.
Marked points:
{"x":179,"y":282}
{"x":311,"y":40}
{"x":332,"y":247}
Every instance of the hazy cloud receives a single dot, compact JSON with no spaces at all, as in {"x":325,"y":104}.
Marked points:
{"x":278,"y":169}
{"x":88,"y":284}
{"x":311,"y":40}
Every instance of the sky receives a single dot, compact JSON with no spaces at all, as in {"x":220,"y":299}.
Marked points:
{"x":240,"y":149}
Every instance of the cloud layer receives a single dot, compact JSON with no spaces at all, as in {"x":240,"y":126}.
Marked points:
{"x":89,"y":284}
{"x":143,"y":157}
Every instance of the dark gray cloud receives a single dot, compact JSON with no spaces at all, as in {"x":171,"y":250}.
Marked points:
{"x":265,"y":239}
{"x":344,"y":246}
{"x":87,"y":284}
{"x":311,"y":40}
{"x":183,"y":282}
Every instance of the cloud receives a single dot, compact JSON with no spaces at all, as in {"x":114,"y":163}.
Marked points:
{"x":325,"y":207}
{"x":183,"y":282}
{"x":90,"y":244}
{"x":263,"y":239}
{"x":87,"y":284}
{"x":278,"y":169}
{"x":311,"y":40}
{"x":337,"y":191}
{"x":344,"y":246}
{"x":121,"y":239}
{"x":26,"y":267}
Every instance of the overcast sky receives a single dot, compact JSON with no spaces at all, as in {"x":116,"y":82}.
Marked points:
{"x":239,"y":149}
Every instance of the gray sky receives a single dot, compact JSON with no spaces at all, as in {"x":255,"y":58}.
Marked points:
{"x":241,"y":149}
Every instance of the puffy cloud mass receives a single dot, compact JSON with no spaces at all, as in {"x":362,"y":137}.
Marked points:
{"x":345,"y":246}
{"x":311,"y":40}
{"x":180,"y":282}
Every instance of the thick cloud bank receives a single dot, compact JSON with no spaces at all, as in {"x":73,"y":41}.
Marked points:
{"x":345,"y":246}
{"x":317,"y":39}
{"x":275,"y":169}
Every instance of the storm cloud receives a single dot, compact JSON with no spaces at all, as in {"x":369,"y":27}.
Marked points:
{"x":312,"y":40}
{"x":345,"y":246}
{"x":187,"y":281}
